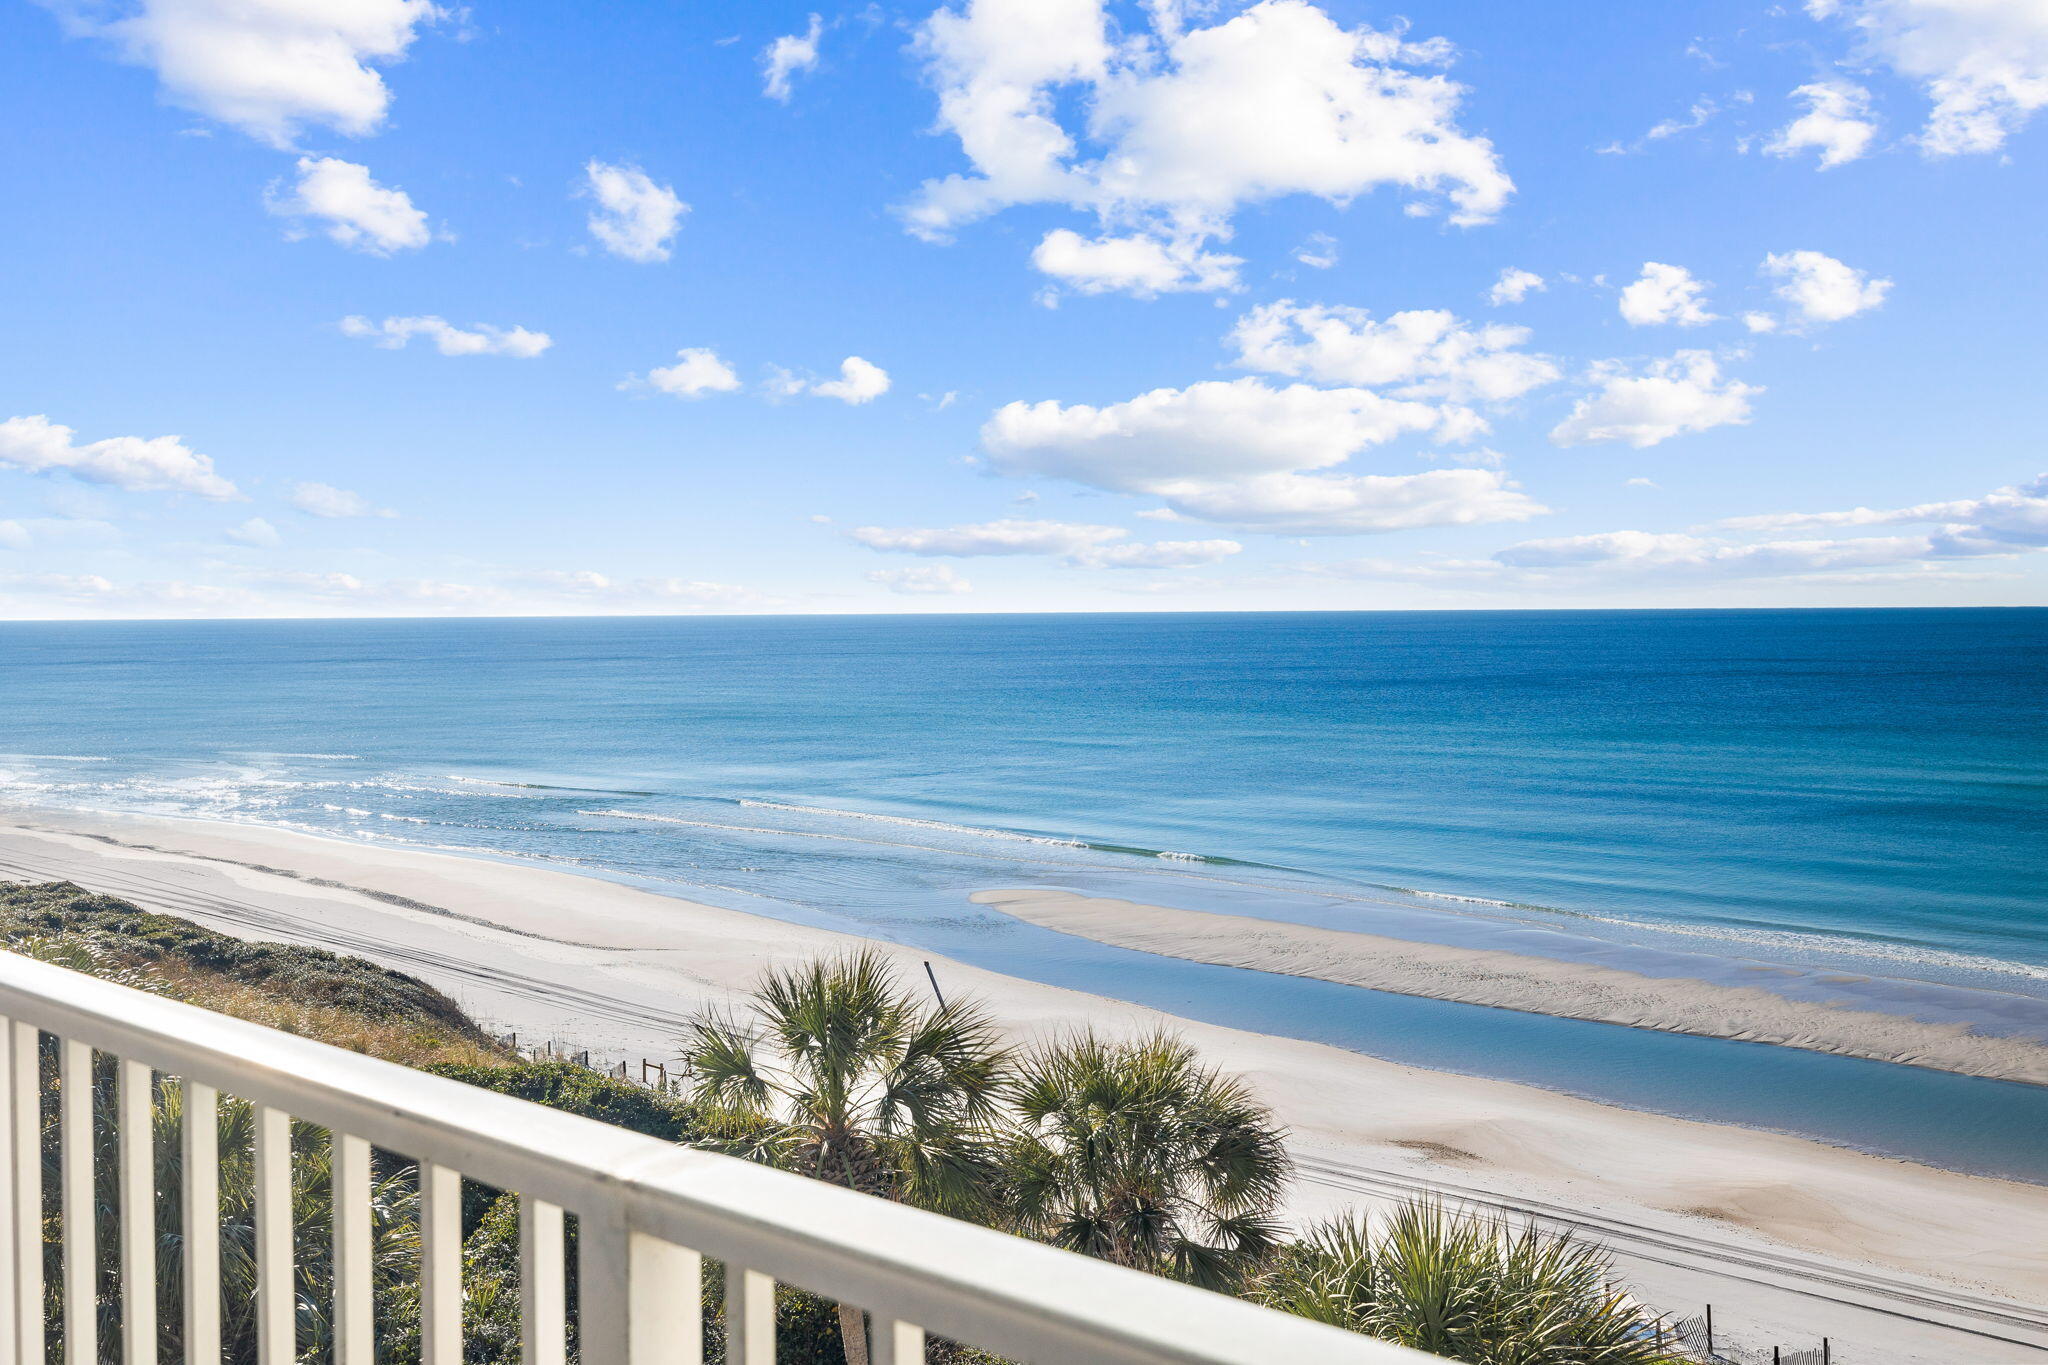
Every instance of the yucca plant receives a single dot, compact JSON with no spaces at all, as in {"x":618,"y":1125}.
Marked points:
{"x":394,"y":1229}
{"x":393,"y":1222}
{"x":1465,"y":1286}
{"x":1136,"y":1153}
{"x":836,"y":1071}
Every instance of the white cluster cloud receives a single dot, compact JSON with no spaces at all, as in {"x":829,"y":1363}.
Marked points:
{"x":353,"y":209}
{"x":256,"y":533}
{"x":295,"y":592}
{"x":1984,"y":63}
{"x":1135,"y":264}
{"x":481,"y":339}
{"x":1319,"y":252}
{"x":1252,"y":454}
{"x":1817,"y":289}
{"x":1160,"y":554}
{"x":589,"y":585}
{"x":2014,"y":517}
{"x":1249,"y":454}
{"x":325,"y":500}
{"x":1421,"y":353}
{"x":20,"y":533}
{"x":788,"y":55}
{"x":267,"y":67}
{"x":860,"y":381}
{"x":2005,"y":522}
{"x":1696,"y":117}
{"x":101,"y":596}
{"x":1638,"y":552}
{"x":1211,"y":431}
{"x":1668,"y":397}
{"x":635,"y":219}
{"x":1080,"y":544}
{"x":1701,"y":112}
{"x":1514,"y":285}
{"x":697,"y":371}
{"x":36,"y":445}
{"x":1007,"y":537}
{"x":1665,"y":294}
{"x":1359,"y":504}
{"x":1836,"y":123}
{"x":1179,"y":127}
{"x":925,"y":580}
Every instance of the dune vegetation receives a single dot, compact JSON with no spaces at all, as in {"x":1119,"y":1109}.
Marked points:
{"x":1132,"y":1151}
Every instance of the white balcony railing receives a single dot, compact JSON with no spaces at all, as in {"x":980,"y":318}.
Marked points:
{"x":648,"y":1213}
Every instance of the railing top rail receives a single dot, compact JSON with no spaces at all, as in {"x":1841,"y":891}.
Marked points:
{"x":1003,"y":1293}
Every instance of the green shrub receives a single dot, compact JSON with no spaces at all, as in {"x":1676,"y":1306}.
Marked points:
{"x":1465,"y":1286}
{"x":306,"y":976}
{"x":579,"y":1090}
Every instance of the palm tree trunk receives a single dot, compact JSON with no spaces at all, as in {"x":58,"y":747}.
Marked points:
{"x":853,"y":1333}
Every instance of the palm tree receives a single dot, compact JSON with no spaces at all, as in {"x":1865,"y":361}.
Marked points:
{"x":839,"y":1073}
{"x":1466,"y":1287}
{"x":1136,"y":1153}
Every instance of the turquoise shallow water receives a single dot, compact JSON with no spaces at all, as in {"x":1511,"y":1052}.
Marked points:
{"x":1860,"y":791}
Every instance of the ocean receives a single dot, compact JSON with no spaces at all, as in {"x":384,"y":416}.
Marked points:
{"x":1864,"y":791}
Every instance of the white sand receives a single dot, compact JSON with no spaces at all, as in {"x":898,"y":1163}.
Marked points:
{"x":1790,"y":1239}
{"x":1540,"y":985}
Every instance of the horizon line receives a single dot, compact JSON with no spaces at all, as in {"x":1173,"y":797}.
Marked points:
{"x":913,"y":615}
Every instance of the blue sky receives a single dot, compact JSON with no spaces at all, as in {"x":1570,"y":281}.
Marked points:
{"x":317,"y":308}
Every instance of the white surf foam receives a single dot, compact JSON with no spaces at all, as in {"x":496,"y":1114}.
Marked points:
{"x":942,"y":825}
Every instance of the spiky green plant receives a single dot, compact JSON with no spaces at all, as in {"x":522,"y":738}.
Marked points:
{"x":836,"y":1071}
{"x":1136,"y":1153}
{"x":1465,"y":1286}
{"x":393,"y":1222}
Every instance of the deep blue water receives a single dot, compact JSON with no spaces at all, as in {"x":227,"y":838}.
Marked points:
{"x":1857,"y":790}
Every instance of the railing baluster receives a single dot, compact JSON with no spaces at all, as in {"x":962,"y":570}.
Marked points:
{"x":81,"y":1240}
{"x":27,"y":1178}
{"x":749,"y":1317}
{"x":898,"y":1343}
{"x":642,"y":1209}
{"x":354,"y":1293}
{"x":639,"y":1296}
{"x":542,"y":1301}
{"x":276,"y":1294}
{"x":199,"y":1207}
{"x":664,"y":1302}
{"x":600,"y":1289}
{"x":136,"y":1121}
{"x":440,"y":1264}
{"x":7,"y":1234}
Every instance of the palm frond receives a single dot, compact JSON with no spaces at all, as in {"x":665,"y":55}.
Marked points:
{"x":1135,"y":1152}
{"x":1465,"y":1286}
{"x":725,"y":1069}
{"x":860,"y":1082}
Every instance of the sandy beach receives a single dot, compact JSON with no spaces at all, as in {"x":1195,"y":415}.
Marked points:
{"x":1790,"y":1239}
{"x":1572,"y":990}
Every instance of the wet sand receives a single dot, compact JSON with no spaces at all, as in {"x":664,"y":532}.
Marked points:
{"x":1540,"y":985}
